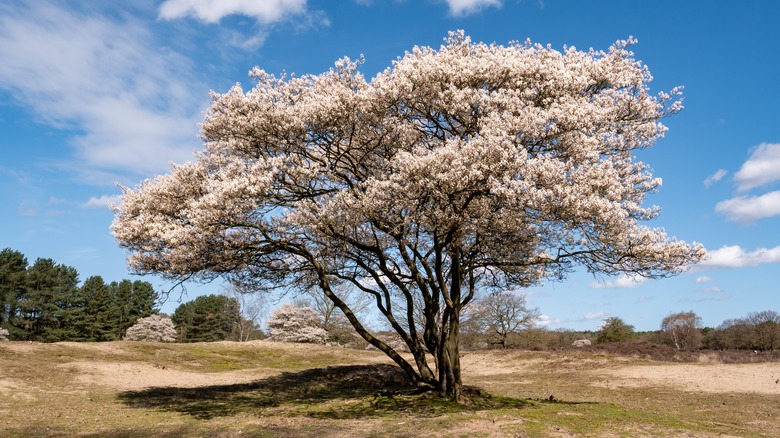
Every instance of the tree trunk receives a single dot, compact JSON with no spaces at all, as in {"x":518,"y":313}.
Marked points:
{"x":455,"y":384}
{"x":451,"y":385}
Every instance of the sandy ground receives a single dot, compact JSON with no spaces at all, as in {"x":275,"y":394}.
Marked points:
{"x":763,"y":378}
{"x":134,"y":376}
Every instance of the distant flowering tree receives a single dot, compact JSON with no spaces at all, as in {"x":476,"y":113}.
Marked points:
{"x":469,"y":167}
{"x":291,"y":323}
{"x":154,"y":328}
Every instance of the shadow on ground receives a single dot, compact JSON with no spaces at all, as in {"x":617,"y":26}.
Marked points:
{"x":344,"y":392}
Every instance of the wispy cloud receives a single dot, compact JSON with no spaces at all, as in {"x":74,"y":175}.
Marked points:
{"x":748,"y":209}
{"x":761,"y":168}
{"x":267,"y":15}
{"x":736,"y":257}
{"x":715,"y":177}
{"x":103,"y":201}
{"x":595,"y":315}
{"x":459,"y":8}
{"x":212,"y":11}
{"x":546,"y":320}
{"x":129,"y":102}
{"x":622,"y":282}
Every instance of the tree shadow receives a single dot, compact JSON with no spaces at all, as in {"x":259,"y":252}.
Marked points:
{"x":343,"y":392}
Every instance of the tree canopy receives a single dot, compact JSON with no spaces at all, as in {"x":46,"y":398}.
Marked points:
{"x":469,"y":167}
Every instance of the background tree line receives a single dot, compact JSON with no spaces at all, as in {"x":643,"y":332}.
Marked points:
{"x":757,"y":331}
{"x":44,"y":302}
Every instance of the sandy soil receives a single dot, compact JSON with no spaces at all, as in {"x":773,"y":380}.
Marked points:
{"x":762,"y":378}
{"x":134,"y":376}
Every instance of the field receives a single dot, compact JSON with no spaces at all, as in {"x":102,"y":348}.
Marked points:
{"x":270,"y":389}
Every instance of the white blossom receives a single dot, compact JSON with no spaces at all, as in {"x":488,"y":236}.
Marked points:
{"x":471,"y":166}
{"x":290,"y":323}
{"x":153,"y":328}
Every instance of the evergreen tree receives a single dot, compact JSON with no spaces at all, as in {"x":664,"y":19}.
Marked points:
{"x":121,"y":293}
{"x":13,"y":274}
{"x":131,"y":301}
{"x":143,"y":300}
{"x":44,"y":309}
{"x":207,"y":318}
{"x":98,"y":324}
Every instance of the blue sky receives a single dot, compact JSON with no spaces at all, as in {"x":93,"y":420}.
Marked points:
{"x":95,"y":93}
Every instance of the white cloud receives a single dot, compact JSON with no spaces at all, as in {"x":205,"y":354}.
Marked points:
{"x":736,"y":257}
{"x":212,"y":11}
{"x":130,"y":102}
{"x":715,"y":177}
{"x":703,"y":279}
{"x":460,"y":8}
{"x":747,"y":209}
{"x":763,"y":167}
{"x":103,"y":201}
{"x":545,"y":320}
{"x":596,"y":315}
{"x":622,"y":282}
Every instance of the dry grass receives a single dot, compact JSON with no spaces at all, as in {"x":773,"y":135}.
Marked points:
{"x":268,"y":389}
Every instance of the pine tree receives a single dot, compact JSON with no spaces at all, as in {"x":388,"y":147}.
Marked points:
{"x":44,"y":309}
{"x":13,"y":274}
{"x":142,"y":301}
{"x":121,"y":292}
{"x":207,"y":318}
{"x":131,"y":301}
{"x":98,"y":324}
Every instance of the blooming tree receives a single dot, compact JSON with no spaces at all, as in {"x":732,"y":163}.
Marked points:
{"x":153,"y":328}
{"x":471,"y":166}
{"x":290,"y":323}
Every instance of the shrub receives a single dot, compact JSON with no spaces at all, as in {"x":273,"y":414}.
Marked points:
{"x":154,"y":328}
{"x":3,"y":334}
{"x":614,"y":329}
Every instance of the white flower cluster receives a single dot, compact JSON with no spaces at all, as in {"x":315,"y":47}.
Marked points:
{"x":290,"y":323}
{"x":512,"y":162}
{"x":153,"y":328}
